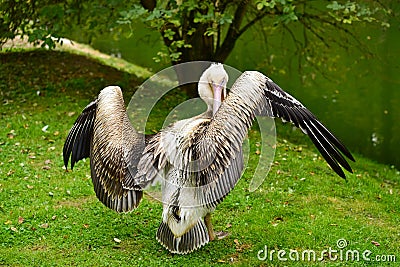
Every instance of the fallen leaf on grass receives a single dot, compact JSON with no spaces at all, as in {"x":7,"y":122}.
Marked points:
{"x":276,"y":221}
{"x":44,"y":225}
{"x":20,"y":220}
{"x":241,"y":247}
{"x":375,"y":243}
{"x":221,"y":235}
{"x":11,"y":134}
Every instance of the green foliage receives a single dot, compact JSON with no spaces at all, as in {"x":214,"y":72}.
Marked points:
{"x":191,"y":30}
{"x":287,"y":9}
{"x":351,"y":12}
{"x":46,"y":21}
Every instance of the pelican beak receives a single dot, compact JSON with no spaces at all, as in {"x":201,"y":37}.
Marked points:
{"x":219,"y":95}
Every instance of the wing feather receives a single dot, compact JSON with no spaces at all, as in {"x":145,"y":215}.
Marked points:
{"x":103,"y":132}
{"x":117,"y":148}
{"x":80,"y":133}
{"x":327,"y":143}
{"x":290,"y":109}
{"x":254,"y":94}
{"x":149,"y":164}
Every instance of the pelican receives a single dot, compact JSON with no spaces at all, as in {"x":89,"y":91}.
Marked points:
{"x":199,"y":159}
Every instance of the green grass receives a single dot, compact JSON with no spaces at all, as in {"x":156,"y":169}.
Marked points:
{"x":50,"y":217}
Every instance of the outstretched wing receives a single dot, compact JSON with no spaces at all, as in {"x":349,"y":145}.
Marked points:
{"x":254,"y":94}
{"x":282,"y":105}
{"x":103,"y":132}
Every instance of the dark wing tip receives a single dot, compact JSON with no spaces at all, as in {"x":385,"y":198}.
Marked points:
{"x":350,"y":156}
{"x":286,"y":107}
{"x":335,"y":141}
{"x":327,"y":144}
{"x":77,"y":144}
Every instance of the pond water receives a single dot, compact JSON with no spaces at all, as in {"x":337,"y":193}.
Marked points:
{"x":361,"y":105}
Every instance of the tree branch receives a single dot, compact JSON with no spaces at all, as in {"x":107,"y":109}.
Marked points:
{"x":336,"y":25}
{"x":252,"y":22}
{"x":295,"y":40}
{"x":312,"y":30}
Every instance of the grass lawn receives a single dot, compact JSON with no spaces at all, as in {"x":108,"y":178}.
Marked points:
{"x":50,"y":217}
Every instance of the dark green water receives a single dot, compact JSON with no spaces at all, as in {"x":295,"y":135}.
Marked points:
{"x":361,"y":104}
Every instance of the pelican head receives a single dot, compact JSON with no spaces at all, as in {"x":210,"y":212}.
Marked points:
{"x":212,"y":86}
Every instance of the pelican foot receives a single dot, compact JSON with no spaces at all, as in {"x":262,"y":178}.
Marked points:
{"x":212,"y":234}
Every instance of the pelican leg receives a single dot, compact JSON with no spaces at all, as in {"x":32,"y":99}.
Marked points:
{"x":207,"y":221}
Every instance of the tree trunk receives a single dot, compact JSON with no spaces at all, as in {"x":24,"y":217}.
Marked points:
{"x":189,"y":75}
{"x":202,"y":50}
